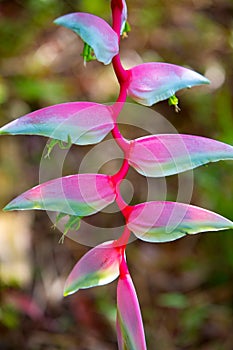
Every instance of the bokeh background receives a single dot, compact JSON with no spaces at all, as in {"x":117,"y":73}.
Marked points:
{"x":185,"y":288}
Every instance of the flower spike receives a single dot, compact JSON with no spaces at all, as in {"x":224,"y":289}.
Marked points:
{"x":76,"y":196}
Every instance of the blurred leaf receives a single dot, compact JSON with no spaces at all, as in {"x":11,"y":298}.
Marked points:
{"x":99,"y":8}
{"x":3,"y":91}
{"x":9,"y":316}
{"x":51,"y":91}
{"x":173,"y":300}
{"x":191,"y":322}
{"x":223,"y":102}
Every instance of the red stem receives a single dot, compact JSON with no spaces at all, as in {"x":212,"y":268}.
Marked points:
{"x":116,"y":109}
{"x":117,"y":8}
{"x":123,"y":240}
{"x":123,"y":267}
{"x":120,"y":140}
{"x":123,"y":79}
{"x":121,"y":73}
{"x":122,"y":95}
{"x":118,"y":177}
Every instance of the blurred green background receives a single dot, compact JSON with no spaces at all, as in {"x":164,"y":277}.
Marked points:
{"x":185,"y":288}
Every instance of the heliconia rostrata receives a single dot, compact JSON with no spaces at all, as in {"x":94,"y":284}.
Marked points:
{"x":85,"y":123}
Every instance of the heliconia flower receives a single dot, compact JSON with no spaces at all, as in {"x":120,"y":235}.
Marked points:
{"x":130,"y":332}
{"x":153,"y":82}
{"x":168,"y":221}
{"x":79,"y":195}
{"x":97,"y":267}
{"x":95,"y":32}
{"x":82,"y":122}
{"x":168,"y":154}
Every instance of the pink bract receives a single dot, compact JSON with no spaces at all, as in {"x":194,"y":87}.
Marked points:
{"x":167,"y":221}
{"x":168,"y":154}
{"x":97,"y":267}
{"x":130,"y":332}
{"x":94,"y":31}
{"x":82,"y":123}
{"x":153,"y":82}
{"x":79,"y":195}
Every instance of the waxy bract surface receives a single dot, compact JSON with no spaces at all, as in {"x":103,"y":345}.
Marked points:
{"x":130,"y":332}
{"x":82,"y":123}
{"x":168,"y":221}
{"x":97,"y":267}
{"x":79,"y":195}
{"x":168,"y":154}
{"x":154,"y":82}
{"x":95,"y":32}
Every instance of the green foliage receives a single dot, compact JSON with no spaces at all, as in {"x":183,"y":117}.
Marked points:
{"x":173,"y":300}
{"x":9,"y":316}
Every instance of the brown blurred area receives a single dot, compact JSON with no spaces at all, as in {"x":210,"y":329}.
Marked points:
{"x":185,"y":287}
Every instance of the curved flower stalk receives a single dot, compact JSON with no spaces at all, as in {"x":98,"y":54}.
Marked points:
{"x":80,"y":195}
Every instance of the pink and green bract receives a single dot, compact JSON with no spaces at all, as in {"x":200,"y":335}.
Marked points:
{"x":95,"y":32}
{"x":81,"y":123}
{"x":81,"y":195}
